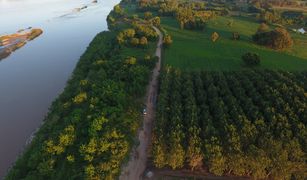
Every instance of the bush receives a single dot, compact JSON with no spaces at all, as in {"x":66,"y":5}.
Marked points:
{"x":235,"y":36}
{"x":215,"y":36}
{"x":148,"y":32}
{"x":251,"y":59}
{"x":129,"y":33}
{"x":278,"y":39}
{"x":156,"y":21}
{"x":143,"y":42}
{"x":134,"y":42}
{"x":131,"y":60}
{"x":263,"y":28}
{"x":147,"y":15}
{"x":281,"y":39}
{"x":167,"y":41}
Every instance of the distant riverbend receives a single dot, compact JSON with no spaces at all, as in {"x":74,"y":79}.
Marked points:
{"x":12,"y":42}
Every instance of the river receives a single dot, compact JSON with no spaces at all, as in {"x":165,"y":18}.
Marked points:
{"x":33,"y":76}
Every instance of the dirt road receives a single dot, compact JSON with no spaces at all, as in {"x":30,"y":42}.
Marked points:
{"x":138,"y":158}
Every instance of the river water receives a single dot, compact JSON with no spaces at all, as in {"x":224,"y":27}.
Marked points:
{"x":33,"y":76}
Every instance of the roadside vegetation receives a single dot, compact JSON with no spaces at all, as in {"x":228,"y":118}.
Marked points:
{"x":91,"y":126}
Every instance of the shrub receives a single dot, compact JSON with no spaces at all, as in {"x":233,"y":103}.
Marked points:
{"x":118,"y":10}
{"x":148,"y":32}
{"x":215,"y":36}
{"x":263,"y":28}
{"x":143,"y":42}
{"x":230,"y":23}
{"x":251,"y":59}
{"x":167,"y":41}
{"x":235,"y":36}
{"x":278,"y":39}
{"x":147,"y":15}
{"x":131,"y":60}
{"x":135,"y":16}
{"x":129,"y":33}
{"x":80,"y":98}
{"x":281,"y":39}
{"x":134,"y":42}
{"x":156,"y":21}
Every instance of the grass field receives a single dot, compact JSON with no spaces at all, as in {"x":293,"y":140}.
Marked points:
{"x":194,"y":49}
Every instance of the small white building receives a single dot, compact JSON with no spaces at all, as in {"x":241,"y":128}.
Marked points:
{"x":302,"y":31}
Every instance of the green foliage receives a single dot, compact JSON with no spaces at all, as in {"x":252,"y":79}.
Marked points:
{"x":147,"y":15}
{"x":269,"y":16}
{"x":80,"y":98}
{"x":129,"y":33}
{"x":90,"y":127}
{"x":191,"y":19}
{"x":168,"y":8}
{"x":156,"y":21}
{"x":131,"y":60}
{"x":235,"y":36}
{"x":143,"y":42}
{"x":214,"y":36}
{"x":146,"y":31}
{"x":118,"y":10}
{"x":134,"y":42}
{"x":145,"y":5}
{"x":167,"y":41}
{"x":243,"y":123}
{"x":263,"y":28}
{"x":193,"y":50}
{"x":137,"y":37}
{"x":251,"y":59}
{"x":278,"y":39}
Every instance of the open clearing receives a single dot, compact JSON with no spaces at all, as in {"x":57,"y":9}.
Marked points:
{"x":194,"y":50}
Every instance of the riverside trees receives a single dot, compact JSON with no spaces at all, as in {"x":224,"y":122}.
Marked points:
{"x":90,"y":127}
{"x":241,"y":123}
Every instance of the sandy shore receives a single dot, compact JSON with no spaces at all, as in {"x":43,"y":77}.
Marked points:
{"x":10,"y":43}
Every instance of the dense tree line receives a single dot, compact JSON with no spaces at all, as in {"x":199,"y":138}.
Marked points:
{"x":245,"y":123}
{"x":190,"y":15}
{"x":193,"y":19}
{"x":90,"y":128}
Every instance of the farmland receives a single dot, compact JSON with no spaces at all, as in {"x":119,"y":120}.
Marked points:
{"x":214,"y":114}
{"x":194,"y":50}
{"x":244,"y":123}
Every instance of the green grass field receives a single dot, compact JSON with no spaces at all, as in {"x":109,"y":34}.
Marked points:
{"x":193,"y":50}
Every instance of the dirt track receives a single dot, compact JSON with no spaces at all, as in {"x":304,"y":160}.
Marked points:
{"x":138,"y":158}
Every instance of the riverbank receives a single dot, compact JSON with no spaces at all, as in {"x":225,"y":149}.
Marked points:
{"x":12,"y":42}
{"x":91,"y":126}
{"x":34,"y":75}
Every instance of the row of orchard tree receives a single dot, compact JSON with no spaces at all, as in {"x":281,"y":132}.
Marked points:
{"x":249,"y":123}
